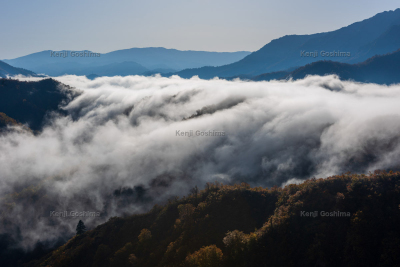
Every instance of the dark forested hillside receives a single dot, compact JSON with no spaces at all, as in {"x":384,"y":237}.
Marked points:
{"x":5,"y":120}
{"x":29,"y":102}
{"x":8,"y":70}
{"x":344,"y":220}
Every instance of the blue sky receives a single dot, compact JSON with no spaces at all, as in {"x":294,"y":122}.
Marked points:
{"x":29,"y":26}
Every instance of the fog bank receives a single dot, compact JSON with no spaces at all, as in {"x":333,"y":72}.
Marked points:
{"x":125,"y":144}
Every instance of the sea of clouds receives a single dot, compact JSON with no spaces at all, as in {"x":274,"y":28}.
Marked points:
{"x":118,"y":152}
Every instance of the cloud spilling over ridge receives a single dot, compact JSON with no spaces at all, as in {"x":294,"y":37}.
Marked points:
{"x":121,"y":150}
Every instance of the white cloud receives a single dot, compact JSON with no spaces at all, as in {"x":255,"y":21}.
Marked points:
{"x":122,"y":133}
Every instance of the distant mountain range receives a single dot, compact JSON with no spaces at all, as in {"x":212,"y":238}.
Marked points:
{"x":7,"y":70}
{"x":336,"y":52}
{"x":113,"y":69}
{"x":352,"y":44}
{"x":383,"y":69}
{"x":122,"y":62}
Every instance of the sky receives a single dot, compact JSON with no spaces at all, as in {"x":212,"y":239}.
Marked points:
{"x":219,"y":25}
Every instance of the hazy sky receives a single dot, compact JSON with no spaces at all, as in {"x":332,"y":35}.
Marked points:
{"x":29,"y":26}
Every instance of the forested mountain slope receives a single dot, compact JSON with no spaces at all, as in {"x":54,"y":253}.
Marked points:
{"x":344,"y":220}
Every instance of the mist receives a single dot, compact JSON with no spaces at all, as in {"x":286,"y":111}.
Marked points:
{"x":125,"y":144}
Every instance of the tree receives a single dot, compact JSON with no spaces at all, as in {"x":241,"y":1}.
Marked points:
{"x":236,"y":243}
{"x":132,"y":259}
{"x":186,"y":211}
{"x":144,"y":236}
{"x":80,"y":228}
{"x":210,"y":256}
{"x":144,"y":240}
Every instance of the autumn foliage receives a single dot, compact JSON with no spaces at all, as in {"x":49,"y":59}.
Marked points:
{"x":236,"y":225}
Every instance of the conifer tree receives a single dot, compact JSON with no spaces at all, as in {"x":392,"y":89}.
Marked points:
{"x":80,"y":228}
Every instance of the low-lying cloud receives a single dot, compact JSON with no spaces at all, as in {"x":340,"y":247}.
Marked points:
{"x":119,"y":152}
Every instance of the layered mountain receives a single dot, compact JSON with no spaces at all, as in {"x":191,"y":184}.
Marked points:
{"x":386,"y":43}
{"x":114,"y":69}
{"x":352,"y":44}
{"x":383,"y":69}
{"x":8,"y":70}
{"x":156,"y":59}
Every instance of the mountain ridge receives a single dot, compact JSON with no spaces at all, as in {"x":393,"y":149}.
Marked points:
{"x":285,"y":52}
{"x":336,"y":221}
{"x":381,"y":69}
{"x":8,"y":70}
{"x":150,"y":58}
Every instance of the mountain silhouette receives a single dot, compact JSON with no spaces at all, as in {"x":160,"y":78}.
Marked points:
{"x":359,"y":41}
{"x":151,"y":59}
{"x":382,"y":69}
{"x":8,"y":70}
{"x":114,"y":69}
